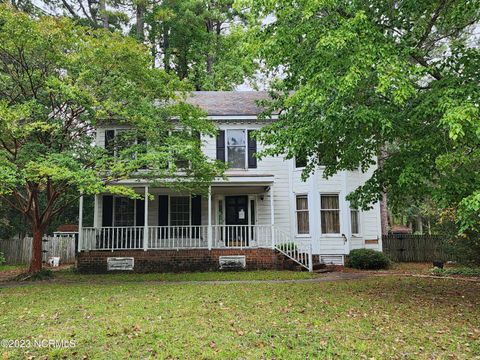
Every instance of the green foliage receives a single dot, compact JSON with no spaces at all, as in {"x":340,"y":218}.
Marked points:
{"x":462,"y":271}
{"x":369,"y":76}
{"x":58,"y":83}
{"x":200,"y":41}
{"x":2,"y":259}
{"x":43,"y":274}
{"x":368,"y":259}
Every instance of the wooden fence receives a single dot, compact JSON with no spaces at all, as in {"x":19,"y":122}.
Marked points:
{"x":19,"y":251}
{"x":415,"y":248}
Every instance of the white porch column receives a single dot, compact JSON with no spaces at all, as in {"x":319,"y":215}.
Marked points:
{"x":95,"y":211}
{"x":209,"y":229}
{"x":145,"y":221}
{"x":272,"y":216}
{"x":80,"y":223}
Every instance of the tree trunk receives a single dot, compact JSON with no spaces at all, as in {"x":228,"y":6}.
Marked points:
{"x":384,"y":214}
{"x":166,"y":49}
{"x":36,"y":262}
{"x":140,"y":18}
{"x":103,"y":13}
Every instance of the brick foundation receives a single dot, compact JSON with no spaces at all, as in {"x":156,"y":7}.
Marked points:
{"x":183,"y":260}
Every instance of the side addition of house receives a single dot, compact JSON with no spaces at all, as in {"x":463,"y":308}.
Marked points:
{"x":262,"y":216}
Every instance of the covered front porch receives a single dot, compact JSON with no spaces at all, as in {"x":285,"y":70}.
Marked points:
{"x":232,"y":215}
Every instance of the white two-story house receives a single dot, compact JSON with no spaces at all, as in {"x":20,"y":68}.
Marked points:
{"x":262,"y":214}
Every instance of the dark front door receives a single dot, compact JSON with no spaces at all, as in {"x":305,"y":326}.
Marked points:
{"x":236,"y":217}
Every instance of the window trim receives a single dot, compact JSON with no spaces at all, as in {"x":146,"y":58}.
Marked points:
{"x":296,"y":195}
{"x":339,"y":234}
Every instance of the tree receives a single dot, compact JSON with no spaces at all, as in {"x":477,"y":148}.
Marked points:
{"x":201,"y":41}
{"x":58,"y":81}
{"x":369,"y":75}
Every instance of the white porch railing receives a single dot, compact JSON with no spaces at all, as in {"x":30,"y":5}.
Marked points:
{"x":197,"y":237}
{"x":241,"y":236}
{"x":177,"y":237}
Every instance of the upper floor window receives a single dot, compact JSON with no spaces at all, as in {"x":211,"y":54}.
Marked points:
{"x":302,"y":215}
{"x":300,"y":161}
{"x":330,"y":213}
{"x":237,"y":147}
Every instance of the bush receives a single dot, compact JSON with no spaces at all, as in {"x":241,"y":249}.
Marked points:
{"x":2,"y":259}
{"x":367,"y":259}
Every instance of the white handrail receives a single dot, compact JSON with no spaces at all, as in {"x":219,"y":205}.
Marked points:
{"x":298,"y":250}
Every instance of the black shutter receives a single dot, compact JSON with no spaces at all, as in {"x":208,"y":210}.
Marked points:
{"x":252,"y":149}
{"x":140,"y":212}
{"x":196,"y":210}
{"x":107,"y":210}
{"x":221,"y":145}
{"x":163,"y":210}
{"x":110,"y":141}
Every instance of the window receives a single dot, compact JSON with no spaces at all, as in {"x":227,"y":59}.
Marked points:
{"x":303,"y":226}
{"x":354,"y":221}
{"x":300,"y":161}
{"x":236,"y":148}
{"x":330,"y":214}
{"x":124,"y":211}
{"x":179,"y":210}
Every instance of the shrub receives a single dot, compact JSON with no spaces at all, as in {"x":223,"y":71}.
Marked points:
{"x":367,"y":259}
{"x":287,"y":247}
{"x":2,"y":259}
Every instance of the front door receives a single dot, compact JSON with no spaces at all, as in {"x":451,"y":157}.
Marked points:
{"x":236,"y":219}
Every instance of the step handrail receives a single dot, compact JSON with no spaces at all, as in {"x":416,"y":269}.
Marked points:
{"x":295,"y":249}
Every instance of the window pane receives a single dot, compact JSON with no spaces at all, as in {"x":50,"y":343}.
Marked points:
{"x":236,"y":156}
{"x":236,"y":137}
{"x":330,"y":221}
{"x":179,"y":210}
{"x":354,"y":221}
{"x":302,"y":203}
{"x":124,"y":211}
{"x":329,"y":202}
{"x":302,"y":222}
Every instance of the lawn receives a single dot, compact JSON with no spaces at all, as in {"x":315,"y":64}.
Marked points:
{"x":377,"y":317}
{"x":70,"y":276}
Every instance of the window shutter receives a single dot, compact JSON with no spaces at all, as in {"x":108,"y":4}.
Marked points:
{"x":196,"y":210}
{"x":140,"y":212}
{"x":107,"y":210}
{"x":252,"y":149}
{"x":221,"y":145}
{"x":110,"y":141}
{"x":163,"y":210}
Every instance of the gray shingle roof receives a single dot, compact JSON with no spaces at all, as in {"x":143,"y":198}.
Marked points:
{"x":228,"y":102}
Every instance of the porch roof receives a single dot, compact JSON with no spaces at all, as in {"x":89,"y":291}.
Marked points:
{"x":232,"y":179}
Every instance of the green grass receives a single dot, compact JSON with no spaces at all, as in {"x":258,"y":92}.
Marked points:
{"x":68,"y":275}
{"x":379,"y":317}
{"x":5,"y":268}
{"x":460,"y":271}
